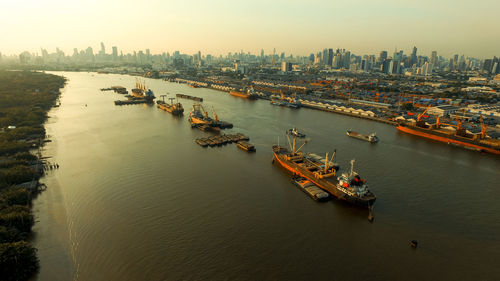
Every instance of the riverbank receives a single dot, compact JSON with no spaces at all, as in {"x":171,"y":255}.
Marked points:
{"x":25,"y":99}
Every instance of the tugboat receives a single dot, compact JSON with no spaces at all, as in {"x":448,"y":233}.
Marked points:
{"x":369,"y":138}
{"x":296,"y":133}
{"x":323,"y":175}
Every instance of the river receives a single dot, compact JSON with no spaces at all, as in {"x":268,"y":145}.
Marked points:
{"x":135,"y":198}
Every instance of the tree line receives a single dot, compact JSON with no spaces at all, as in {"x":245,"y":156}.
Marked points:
{"x":25,"y":99}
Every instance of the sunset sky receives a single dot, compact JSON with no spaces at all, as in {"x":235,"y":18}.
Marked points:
{"x":221,"y":26}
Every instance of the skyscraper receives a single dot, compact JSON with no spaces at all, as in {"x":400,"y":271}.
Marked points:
{"x":383,"y":56}
{"x":103,"y":50}
{"x":115,"y":53}
{"x":330,"y":57}
{"x":434,"y":58}
{"x":413,"y":58}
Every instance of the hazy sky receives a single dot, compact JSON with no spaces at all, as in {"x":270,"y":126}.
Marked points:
{"x":219,"y":26}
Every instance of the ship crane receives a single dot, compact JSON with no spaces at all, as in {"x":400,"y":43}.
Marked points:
{"x":483,"y":128}
{"x":216,"y":118}
{"x":204,"y":111}
{"x":163,"y":97}
{"x":420,"y":115}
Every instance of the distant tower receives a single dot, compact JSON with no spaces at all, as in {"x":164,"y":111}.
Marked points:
{"x":413,"y":58}
{"x":274,"y":56}
{"x":103,"y":50}
{"x":115,"y":52}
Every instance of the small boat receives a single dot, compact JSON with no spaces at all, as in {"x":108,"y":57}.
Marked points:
{"x":246,"y":146}
{"x":296,"y":133}
{"x":369,"y":138}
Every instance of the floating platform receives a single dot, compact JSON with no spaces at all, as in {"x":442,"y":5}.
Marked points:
{"x":127,"y":102}
{"x":189,"y":97}
{"x":246,"y":146}
{"x":219,"y":140}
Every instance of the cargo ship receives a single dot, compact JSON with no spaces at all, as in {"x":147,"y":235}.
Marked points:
{"x":198,"y":116}
{"x":174,"y":108}
{"x":369,"y":138}
{"x":323,"y":173}
{"x":142,"y":92}
{"x":241,"y":94}
{"x":286,"y":101}
{"x":459,"y":137}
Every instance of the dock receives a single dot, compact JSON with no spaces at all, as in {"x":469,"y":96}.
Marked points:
{"x":182,"y":96}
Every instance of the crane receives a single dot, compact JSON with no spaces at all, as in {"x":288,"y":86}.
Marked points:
{"x":422,"y":114}
{"x":163,"y":97}
{"x":216,"y":118}
{"x":420,"y":122}
{"x":483,"y":128}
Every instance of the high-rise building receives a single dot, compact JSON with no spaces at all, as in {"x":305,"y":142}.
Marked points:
{"x":115,"y":53}
{"x":286,"y":66}
{"x":387,"y":66}
{"x":383,"y":56}
{"x":330,"y":57}
{"x":426,"y":69}
{"x":413,"y":58}
{"x":434,"y":58}
{"x":324,"y":57}
{"x":488,"y":65}
{"x":103,"y":49}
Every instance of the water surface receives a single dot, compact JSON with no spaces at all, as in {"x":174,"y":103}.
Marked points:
{"x":135,"y":198}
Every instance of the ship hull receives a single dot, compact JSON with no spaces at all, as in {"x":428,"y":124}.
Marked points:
{"x":242,"y":95}
{"x":427,"y":133}
{"x":327,"y":185}
{"x":170,"y":109}
{"x":198,"y":121}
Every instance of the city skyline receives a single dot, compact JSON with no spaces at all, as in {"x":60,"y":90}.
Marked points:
{"x":448,"y":27}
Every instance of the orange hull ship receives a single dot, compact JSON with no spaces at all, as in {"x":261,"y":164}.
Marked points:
{"x":247,"y":95}
{"x":323,"y":173}
{"x":460,"y":137}
{"x":450,"y":138}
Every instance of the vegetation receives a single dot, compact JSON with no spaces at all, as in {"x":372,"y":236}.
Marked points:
{"x":25,"y":99}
